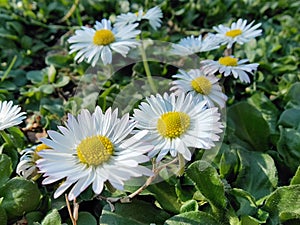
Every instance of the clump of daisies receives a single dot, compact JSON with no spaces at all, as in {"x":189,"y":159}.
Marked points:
{"x":153,"y":16}
{"x":91,"y":150}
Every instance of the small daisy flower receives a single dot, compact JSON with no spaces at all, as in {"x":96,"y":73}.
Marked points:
{"x":229,"y":65}
{"x":10,"y":115}
{"x":100,"y":41}
{"x":176,"y":123}
{"x":153,"y":15}
{"x":191,"y":45}
{"x":206,"y":87}
{"x":238,"y":32}
{"x":27,"y":165}
{"x":92,"y":149}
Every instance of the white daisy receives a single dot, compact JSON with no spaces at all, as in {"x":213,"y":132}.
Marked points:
{"x":238,"y":32}
{"x":153,"y":15}
{"x":229,"y":65}
{"x":206,"y":87}
{"x":100,"y":41}
{"x":177,"y":123}
{"x":191,"y":45}
{"x":92,"y":149}
{"x":10,"y":115}
{"x":27,"y":165}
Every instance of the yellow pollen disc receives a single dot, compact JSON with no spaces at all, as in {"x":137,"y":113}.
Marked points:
{"x":103,"y":37}
{"x":95,"y":150}
{"x":173,"y":124}
{"x":228,"y":61}
{"x":37,"y":149}
{"x":201,"y":85}
{"x":233,"y":33}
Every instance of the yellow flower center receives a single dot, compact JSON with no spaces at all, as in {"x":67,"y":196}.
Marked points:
{"x":37,"y":149}
{"x":103,"y":37}
{"x":228,"y":61}
{"x":173,"y":124}
{"x":95,"y":150}
{"x":201,"y":85}
{"x":233,"y":33}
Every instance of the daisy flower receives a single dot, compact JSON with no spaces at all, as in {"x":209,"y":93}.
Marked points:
{"x":229,"y":65}
{"x":92,"y":149}
{"x":10,"y":115}
{"x":191,"y":45}
{"x":206,"y":87}
{"x":100,"y":41}
{"x":238,"y":32}
{"x":27,"y":165}
{"x":176,"y":123}
{"x":153,"y":15}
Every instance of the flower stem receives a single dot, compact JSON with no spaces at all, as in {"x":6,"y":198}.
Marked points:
{"x":12,"y":63}
{"x":181,"y":165}
{"x":147,"y":69}
{"x":6,"y":138}
{"x":148,"y":181}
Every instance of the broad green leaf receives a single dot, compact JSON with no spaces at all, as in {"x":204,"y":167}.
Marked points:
{"x":266,"y":107}
{"x":229,"y":164}
{"x":33,"y":217}
{"x":284,"y":204}
{"x":188,"y":206}
{"x":3,"y":216}
{"x":293,"y":95}
{"x":52,"y":218}
{"x":165,"y":195}
{"x":246,"y":202}
{"x":296,"y":177}
{"x":58,"y":60}
{"x":208,"y":182}
{"x":290,"y":118}
{"x":35,"y":76}
{"x":249,"y":125}
{"x":192,"y":218}
{"x":19,"y":196}
{"x":46,"y":88}
{"x":135,"y":213}
{"x":85,"y":218}
{"x":62,"y":81}
{"x":257,"y":174}
{"x":288,"y":147}
{"x":5,"y":168}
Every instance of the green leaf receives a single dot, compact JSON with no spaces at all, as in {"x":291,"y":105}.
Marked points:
{"x":257,"y":174}
{"x":188,"y":206}
{"x":296,"y":177}
{"x":166,"y":196}
{"x":283,"y":204}
{"x":208,"y":182}
{"x":192,"y":218}
{"x":245,"y":200}
{"x":35,"y":76}
{"x":33,"y":217}
{"x":19,"y":196}
{"x":58,"y":60}
{"x":135,"y":213}
{"x":52,"y":218}
{"x":3,"y":216}
{"x":62,"y":81}
{"x":288,"y":147}
{"x":293,"y":95}
{"x":85,"y":218}
{"x":249,"y":125}
{"x":5,"y":168}
{"x":290,"y":118}
{"x":229,"y":164}
{"x":266,"y":107}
